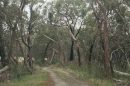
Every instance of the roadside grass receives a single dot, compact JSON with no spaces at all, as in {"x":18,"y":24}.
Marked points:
{"x":39,"y":78}
{"x":92,"y":75}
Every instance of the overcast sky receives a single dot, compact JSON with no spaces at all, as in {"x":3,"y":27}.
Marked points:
{"x":49,"y":0}
{"x":27,"y":7}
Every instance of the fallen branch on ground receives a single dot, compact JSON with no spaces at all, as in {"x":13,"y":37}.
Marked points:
{"x":4,"y":69}
{"x":118,"y":80}
{"x":121,"y":73}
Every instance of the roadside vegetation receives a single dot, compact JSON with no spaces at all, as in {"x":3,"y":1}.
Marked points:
{"x":39,"y":78}
{"x":92,"y":75}
{"x":91,"y":38}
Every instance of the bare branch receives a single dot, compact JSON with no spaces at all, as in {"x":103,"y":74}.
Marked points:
{"x":49,"y":38}
{"x":72,"y":35}
{"x":79,"y":29}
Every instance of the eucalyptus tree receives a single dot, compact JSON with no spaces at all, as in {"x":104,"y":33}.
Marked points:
{"x":101,"y":15}
{"x":2,"y":41}
{"x":70,"y":15}
{"x":19,"y":27}
{"x":119,"y":31}
{"x":28,"y":25}
{"x":112,"y":23}
{"x":9,"y":23}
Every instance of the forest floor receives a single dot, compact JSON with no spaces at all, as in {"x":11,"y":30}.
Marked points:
{"x":38,"y":78}
{"x":67,"y":76}
{"x":59,"y":76}
{"x":63,"y":78}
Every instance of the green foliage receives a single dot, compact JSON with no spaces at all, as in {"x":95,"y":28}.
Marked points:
{"x":17,"y":71}
{"x":62,"y":14}
{"x":41,"y":41}
{"x":37,"y":79}
{"x":93,"y":74}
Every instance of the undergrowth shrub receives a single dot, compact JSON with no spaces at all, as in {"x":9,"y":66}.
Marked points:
{"x":17,"y":71}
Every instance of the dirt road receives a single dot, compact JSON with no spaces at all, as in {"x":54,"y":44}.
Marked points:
{"x":63,"y":78}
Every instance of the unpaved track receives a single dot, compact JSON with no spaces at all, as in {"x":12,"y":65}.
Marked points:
{"x":65,"y":80}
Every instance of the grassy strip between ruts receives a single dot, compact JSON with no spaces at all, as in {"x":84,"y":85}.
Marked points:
{"x":39,"y":78}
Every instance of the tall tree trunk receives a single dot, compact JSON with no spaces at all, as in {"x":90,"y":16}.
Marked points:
{"x":72,"y":51}
{"x":2,"y":46}
{"x":11,"y":47}
{"x":78,"y":53}
{"x":29,"y":41}
{"x":29,"y":54}
{"x":102,"y":22}
{"x":72,"y":31}
{"x":106,"y":49}
{"x":90,"y":53}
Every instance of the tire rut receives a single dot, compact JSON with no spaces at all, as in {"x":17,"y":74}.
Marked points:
{"x":65,"y":80}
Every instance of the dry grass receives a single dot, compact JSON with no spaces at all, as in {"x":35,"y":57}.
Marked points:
{"x":37,"y":79}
